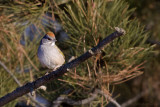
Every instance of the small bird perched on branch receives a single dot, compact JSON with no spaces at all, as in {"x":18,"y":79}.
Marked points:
{"x":49,"y":54}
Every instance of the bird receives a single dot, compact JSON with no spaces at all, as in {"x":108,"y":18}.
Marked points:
{"x":48,"y":53}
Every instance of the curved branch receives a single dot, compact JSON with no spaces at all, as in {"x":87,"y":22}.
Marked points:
{"x":59,"y":72}
{"x":65,"y":99}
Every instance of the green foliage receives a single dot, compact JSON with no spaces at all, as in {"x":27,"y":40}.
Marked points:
{"x":12,"y":54}
{"x":87,"y":22}
{"x":145,"y":10}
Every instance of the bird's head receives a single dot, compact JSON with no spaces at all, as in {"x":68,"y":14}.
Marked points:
{"x":49,"y":38}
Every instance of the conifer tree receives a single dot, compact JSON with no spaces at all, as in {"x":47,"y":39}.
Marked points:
{"x":86,"y":22}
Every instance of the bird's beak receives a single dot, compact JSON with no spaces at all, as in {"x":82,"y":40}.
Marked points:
{"x":54,"y":40}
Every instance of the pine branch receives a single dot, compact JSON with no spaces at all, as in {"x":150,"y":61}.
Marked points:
{"x":59,"y":72}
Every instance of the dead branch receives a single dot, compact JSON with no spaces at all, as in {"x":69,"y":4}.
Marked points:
{"x":59,"y":72}
{"x":109,"y":98}
{"x":65,"y":99}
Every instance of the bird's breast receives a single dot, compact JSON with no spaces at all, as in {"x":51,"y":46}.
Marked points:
{"x":51,"y":55}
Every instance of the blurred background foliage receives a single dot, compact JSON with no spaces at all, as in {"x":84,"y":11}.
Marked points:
{"x":80,"y":25}
{"x":147,"y":84}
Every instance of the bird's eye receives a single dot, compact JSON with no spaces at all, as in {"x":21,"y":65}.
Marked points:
{"x":49,"y":39}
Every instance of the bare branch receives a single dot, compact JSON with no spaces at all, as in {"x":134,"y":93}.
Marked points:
{"x":59,"y":72}
{"x":109,"y":98}
{"x":65,"y":99}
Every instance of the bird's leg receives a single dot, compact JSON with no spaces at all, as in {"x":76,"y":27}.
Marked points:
{"x":56,"y":67}
{"x":48,"y":71}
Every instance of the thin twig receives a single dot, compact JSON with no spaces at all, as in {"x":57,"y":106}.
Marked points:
{"x":65,"y":99}
{"x":61,"y":71}
{"x":109,"y":98}
{"x":15,"y":79}
{"x":18,"y":82}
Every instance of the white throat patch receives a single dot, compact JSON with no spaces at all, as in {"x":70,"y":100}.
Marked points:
{"x":53,"y":43}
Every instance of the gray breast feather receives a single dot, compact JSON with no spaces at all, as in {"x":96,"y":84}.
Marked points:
{"x":50,"y":56}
